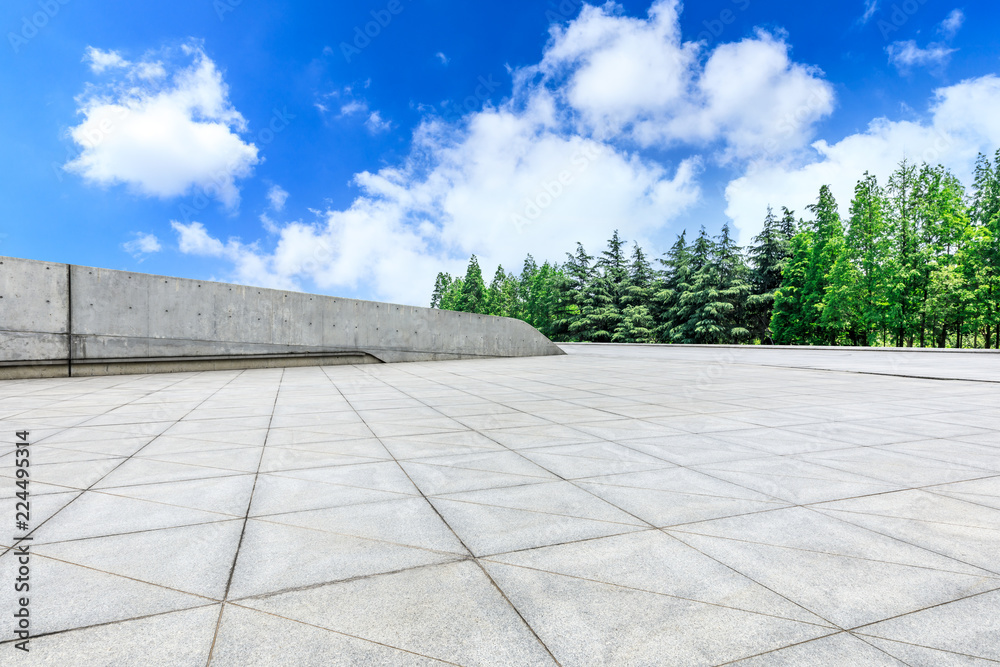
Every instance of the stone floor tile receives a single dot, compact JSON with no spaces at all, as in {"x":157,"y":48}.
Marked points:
{"x":450,"y":612}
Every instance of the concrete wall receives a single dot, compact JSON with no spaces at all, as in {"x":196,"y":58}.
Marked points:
{"x":57,"y":319}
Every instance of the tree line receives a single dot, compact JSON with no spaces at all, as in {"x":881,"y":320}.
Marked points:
{"x":914,"y":262}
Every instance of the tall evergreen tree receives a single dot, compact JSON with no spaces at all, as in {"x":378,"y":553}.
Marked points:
{"x":855,"y":299}
{"x":472,"y":296}
{"x":828,"y":238}
{"x":790,"y":323}
{"x":768,"y":256}
{"x":665,"y":298}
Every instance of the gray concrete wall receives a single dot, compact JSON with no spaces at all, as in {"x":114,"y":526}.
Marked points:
{"x":57,"y":319}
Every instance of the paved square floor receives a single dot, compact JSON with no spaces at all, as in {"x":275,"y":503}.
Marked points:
{"x":615,"y":506}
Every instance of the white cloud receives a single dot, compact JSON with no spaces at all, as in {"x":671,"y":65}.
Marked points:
{"x":634,"y":78}
{"x":103,"y":60}
{"x":142,"y":244}
{"x":442,"y":57}
{"x":871,"y":6}
{"x":557,"y":162}
{"x":907,"y":55}
{"x":277,"y":196}
{"x":952,"y":24}
{"x":961,"y":123}
{"x":373,"y":118}
{"x":376,"y":123}
{"x":250,"y":266}
{"x":164,"y":135}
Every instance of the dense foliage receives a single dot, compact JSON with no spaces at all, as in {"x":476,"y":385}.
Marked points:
{"x":915,"y":262}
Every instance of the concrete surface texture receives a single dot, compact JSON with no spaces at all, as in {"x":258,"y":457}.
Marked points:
{"x":107,"y":322}
{"x":608,"y":507}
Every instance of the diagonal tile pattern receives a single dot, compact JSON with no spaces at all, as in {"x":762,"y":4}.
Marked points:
{"x":615,"y":506}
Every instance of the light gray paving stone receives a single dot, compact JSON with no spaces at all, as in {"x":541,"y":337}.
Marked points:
{"x":801,"y":528}
{"x":839,"y":649}
{"x":236,"y":459}
{"x":561,"y":498}
{"x":193,"y":559}
{"x":844,"y":590}
{"x":681,"y":480}
{"x":486,"y":529}
{"x":249,"y":638}
{"x":437,"y":479}
{"x":796,"y":481}
{"x":278,"y":494}
{"x":966,"y":544}
{"x":538,"y":436}
{"x":592,"y":623}
{"x":65,"y":596}
{"x":983,"y":457}
{"x":224,"y":495}
{"x":286,"y":459}
{"x":920,"y":506}
{"x":692,"y":449}
{"x":137,"y":472}
{"x":174,"y":639}
{"x":99,"y":514}
{"x":894,"y":467}
{"x":378,"y":476}
{"x":779,"y":441}
{"x":450,"y":612}
{"x":276,"y":557}
{"x":656,"y":562}
{"x":969,"y":626}
{"x":671,"y":508}
{"x":503,"y":461}
{"x":410,"y":522}
{"x":921,"y":656}
{"x":73,"y":475}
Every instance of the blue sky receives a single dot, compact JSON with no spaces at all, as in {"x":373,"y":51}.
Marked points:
{"x":275,"y":144}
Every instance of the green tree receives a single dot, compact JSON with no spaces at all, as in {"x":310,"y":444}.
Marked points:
{"x":472,"y":294}
{"x":855,"y":299}
{"x":828,"y":238}
{"x":790,"y":324}
{"x":768,"y":256}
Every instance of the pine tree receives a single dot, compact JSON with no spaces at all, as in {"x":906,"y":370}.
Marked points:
{"x":441,"y":285}
{"x":985,"y":215}
{"x":472,"y":297}
{"x":665,"y":299}
{"x":856,"y":293}
{"x":768,"y":257}
{"x":790,"y":324}
{"x":828,"y":238}
{"x":903,"y":262}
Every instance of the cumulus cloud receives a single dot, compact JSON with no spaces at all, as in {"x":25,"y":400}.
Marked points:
{"x":961,"y":123}
{"x":277,"y":196}
{"x":163,"y":133}
{"x":635,"y":79}
{"x":906,"y":55}
{"x":142,"y":244}
{"x":560,"y":160}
